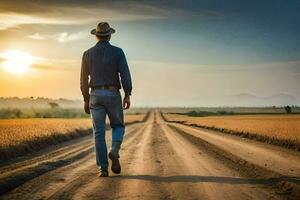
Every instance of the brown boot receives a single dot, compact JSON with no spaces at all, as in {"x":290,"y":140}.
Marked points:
{"x":115,"y":166}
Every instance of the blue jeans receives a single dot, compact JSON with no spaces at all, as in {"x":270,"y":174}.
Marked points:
{"x":102,"y":103}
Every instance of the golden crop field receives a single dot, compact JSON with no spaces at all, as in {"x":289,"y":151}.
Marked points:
{"x":133,"y":117}
{"x":14,"y":132}
{"x":284,"y":127}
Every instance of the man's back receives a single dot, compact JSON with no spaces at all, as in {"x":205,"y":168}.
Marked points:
{"x":105,"y":63}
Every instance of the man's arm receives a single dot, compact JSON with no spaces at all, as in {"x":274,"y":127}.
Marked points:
{"x":84,"y":82}
{"x":125,"y":80}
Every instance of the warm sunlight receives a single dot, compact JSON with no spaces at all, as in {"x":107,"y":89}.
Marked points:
{"x":17,"y":61}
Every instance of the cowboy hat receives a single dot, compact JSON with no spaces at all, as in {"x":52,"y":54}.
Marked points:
{"x":103,"y":29}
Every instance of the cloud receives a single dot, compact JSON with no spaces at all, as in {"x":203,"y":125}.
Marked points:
{"x":14,"y":13}
{"x":36,"y":36}
{"x":52,"y":66}
{"x":291,"y":67}
{"x":145,"y":7}
{"x":9,"y":20}
{"x":60,"y":37}
{"x":66,"y":16}
{"x":67,"y":37}
{"x":56,"y":64}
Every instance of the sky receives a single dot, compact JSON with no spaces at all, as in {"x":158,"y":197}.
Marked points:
{"x":180,"y":53}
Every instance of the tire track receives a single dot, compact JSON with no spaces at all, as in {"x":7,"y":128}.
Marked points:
{"x":142,"y":165}
{"x":265,"y":156}
{"x":205,"y":175}
{"x":89,"y":185}
{"x":137,"y":160}
{"x":286,"y":186}
{"x":13,"y":179}
{"x":57,"y":173}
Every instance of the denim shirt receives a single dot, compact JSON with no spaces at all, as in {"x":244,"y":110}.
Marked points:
{"x":104,"y":65}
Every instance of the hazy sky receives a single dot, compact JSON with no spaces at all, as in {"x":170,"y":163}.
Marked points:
{"x":180,"y":52}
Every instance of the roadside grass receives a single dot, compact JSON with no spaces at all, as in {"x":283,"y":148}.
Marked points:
{"x":15,"y":113}
{"x":21,"y":136}
{"x":282,"y":130}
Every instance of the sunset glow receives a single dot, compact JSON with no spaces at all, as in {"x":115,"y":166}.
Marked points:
{"x":180,"y":53}
{"x":16,"y":61}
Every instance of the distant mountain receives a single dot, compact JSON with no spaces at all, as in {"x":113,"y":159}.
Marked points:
{"x":244,"y":95}
{"x":283,"y":99}
{"x":40,"y":102}
{"x":250,"y":100}
{"x":238,"y":100}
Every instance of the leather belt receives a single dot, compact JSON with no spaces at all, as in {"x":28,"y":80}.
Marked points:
{"x":106,"y":87}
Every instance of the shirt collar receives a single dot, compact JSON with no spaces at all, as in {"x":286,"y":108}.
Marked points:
{"x":102,"y":42}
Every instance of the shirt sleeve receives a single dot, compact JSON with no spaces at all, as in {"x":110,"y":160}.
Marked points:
{"x":84,"y":78}
{"x":125,"y":74}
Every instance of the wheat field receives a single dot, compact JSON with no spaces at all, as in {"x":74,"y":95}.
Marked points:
{"x":21,"y":135}
{"x":282,"y":127}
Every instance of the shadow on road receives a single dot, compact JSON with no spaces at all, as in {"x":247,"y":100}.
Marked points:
{"x":210,"y":179}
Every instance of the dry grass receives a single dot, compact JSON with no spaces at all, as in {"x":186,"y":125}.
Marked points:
{"x":134,"y":117}
{"x":278,"y":129}
{"x":19,"y":136}
{"x":17,"y":131}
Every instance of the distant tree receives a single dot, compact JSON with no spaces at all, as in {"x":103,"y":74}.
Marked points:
{"x":8,"y":113}
{"x":53,"y":105}
{"x":288,"y":109}
{"x":38,"y":115}
{"x":17,"y":113}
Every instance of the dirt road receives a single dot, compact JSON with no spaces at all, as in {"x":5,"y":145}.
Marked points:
{"x":159,"y":161}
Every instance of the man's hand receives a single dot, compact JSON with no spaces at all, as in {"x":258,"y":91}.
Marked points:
{"x":126,"y":102}
{"x":87,"y":107}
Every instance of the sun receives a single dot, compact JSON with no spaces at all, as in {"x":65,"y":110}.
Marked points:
{"x":16,"y":61}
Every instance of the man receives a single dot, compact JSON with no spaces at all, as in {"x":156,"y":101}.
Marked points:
{"x":103,"y":67}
